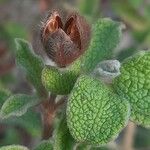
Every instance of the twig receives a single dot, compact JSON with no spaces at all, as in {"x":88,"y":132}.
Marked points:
{"x":48,"y":115}
{"x":49,"y":109}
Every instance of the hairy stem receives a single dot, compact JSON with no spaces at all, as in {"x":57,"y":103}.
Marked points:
{"x":48,"y":115}
{"x":49,"y":109}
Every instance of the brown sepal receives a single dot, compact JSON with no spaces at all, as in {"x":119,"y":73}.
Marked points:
{"x":65,"y":43}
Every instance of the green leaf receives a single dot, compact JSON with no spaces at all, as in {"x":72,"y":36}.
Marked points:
{"x":14,"y":147}
{"x":95,"y":115}
{"x":44,"y":145}
{"x":11,"y":136}
{"x":141,"y":138}
{"x":4,"y":94}
{"x":58,"y":81}
{"x":63,"y":139}
{"x":105,"y":38}
{"x":30,"y":121}
{"x":83,"y":147}
{"x":134,"y":84}
{"x":100,"y":148}
{"x":31,"y":64}
{"x":17,"y":105}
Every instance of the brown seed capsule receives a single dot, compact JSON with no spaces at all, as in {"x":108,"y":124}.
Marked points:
{"x":65,"y":43}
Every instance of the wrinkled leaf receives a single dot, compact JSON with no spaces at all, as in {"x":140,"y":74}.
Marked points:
{"x":107,"y":70}
{"x":31,"y":64}
{"x":60,"y":81}
{"x":95,"y":115}
{"x":63,"y":139}
{"x":105,"y":38}
{"x":13,"y":147}
{"x":44,"y":145}
{"x":134,"y":84}
{"x":17,"y":105}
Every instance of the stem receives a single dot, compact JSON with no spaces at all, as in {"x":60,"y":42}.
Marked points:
{"x":129,"y":137}
{"x":48,"y":115}
{"x":49,"y":109}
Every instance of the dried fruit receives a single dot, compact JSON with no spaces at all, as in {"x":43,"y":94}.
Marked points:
{"x":64,"y":43}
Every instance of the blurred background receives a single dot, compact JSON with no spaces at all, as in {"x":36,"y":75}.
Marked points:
{"x":22,"y":19}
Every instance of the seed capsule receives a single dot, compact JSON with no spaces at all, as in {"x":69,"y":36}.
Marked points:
{"x":64,"y":43}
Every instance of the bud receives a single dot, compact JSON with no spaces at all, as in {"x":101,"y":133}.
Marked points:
{"x":65,"y":42}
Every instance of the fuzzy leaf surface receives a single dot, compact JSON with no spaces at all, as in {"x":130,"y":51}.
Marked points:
{"x":134,"y":84}
{"x":63,"y":139}
{"x":44,"y":145}
{"x":31,"y":64}
{"x":30,"y":121}
{"x":14,"y":147}
{"x":59,"y":81}
{"x":95,"y":115}
{"x":4,"y":94}
{"x":17,"y":105}
{"x":105,"y":38}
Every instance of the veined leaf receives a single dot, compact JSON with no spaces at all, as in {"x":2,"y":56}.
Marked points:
{"x":31,"y":64}
{"x":105,"y":38}
{"x":44,"y":145}
{"x":134,"y":84}
{"x":63,"y":139}
{"x":17,"y":105}
{"x":60,"y":81}
{"x":13,"y":147}
{"x":95,"y":115}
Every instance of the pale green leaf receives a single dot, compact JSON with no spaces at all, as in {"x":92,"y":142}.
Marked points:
{"x":44,"y":145}
{"x":17,"y":105}
{"x":4,"y":94}
{"x":63,"y":139}
{"x":95,"y":115}
{"x":13,"y":147}
{"x":30,"y":121}
{"x":105,"y":38}
{"x":134,"y":84}
{"x":60,"y":81}
{"x":31,"y":63}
